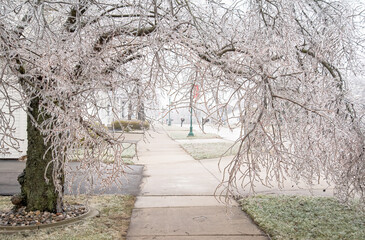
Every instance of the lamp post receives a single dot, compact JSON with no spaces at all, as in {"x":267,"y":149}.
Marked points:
{"x":191,"y":134}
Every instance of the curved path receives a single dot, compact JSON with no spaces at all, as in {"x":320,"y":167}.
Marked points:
{"x":177,"y":198}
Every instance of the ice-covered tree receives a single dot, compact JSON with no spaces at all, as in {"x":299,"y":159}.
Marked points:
{"x":278,"y":67}
{"x":66,"y":62}
{"x":283,"y":68}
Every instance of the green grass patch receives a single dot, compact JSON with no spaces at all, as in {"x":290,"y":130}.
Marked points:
{"x":127,"y":155}
{"x":113,"y":223}
{"x":176,"y":128}
{"x":299,"y":217}
{"x":179,"y":135}
{"x":209,"y":150}
{"x":5,"y":204}
{"x":129,"y":150}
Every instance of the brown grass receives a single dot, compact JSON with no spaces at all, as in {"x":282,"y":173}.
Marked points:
{"x":113,"y":222}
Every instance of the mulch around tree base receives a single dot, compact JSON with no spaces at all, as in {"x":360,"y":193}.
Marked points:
{"x":23,"y":218}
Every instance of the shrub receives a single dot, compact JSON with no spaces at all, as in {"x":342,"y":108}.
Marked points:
{"x":129,"y":125}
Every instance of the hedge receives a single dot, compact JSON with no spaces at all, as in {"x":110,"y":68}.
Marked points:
{"x":129,"y":125}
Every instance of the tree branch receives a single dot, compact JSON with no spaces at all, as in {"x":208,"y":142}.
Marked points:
{"x":335,"y":73}
{"x":76,"y":11}
{"x":108,"y":36}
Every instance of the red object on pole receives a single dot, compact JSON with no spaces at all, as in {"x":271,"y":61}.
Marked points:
{"x":196,"y":91}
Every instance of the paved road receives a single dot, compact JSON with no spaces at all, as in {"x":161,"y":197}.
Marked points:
{"x":10,"y":169}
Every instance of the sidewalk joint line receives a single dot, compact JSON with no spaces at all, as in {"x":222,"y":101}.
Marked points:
{"x":203,"y":235}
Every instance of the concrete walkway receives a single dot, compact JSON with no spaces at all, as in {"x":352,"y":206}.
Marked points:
{"x":289,"y":187}
{"x":177,"y":202}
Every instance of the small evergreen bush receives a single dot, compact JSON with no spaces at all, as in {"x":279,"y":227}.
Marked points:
{"x":130,"y":125}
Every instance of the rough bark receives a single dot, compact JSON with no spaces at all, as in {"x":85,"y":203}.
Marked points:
{"x":37,"y":194}
{"x":130,"y":109}
{"x":141,"y":115}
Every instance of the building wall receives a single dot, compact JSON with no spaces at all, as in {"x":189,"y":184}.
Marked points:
{"x":20,"y":126}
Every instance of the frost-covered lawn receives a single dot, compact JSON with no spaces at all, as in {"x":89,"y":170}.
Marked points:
{"x":210,"y":150}
{"x":178,"y":135}
{"x":176,"y":128}
{"x":115,"y":213}
{"x":297,"y":217}
{"x":128,"y":153}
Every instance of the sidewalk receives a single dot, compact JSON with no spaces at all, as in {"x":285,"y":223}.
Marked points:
{"x":177,"y":202}
{"x":289,"y":188}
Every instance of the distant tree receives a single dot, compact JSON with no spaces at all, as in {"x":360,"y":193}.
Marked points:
{"x":278,"y":67}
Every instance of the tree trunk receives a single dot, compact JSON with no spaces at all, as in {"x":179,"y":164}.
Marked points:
{"x":36,"y":192}
{"x":141,"y":115}
{"x":130,"y":110}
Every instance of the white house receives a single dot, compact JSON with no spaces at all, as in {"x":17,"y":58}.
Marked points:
{"x":107,"y":113}
{"x":20,"y":126}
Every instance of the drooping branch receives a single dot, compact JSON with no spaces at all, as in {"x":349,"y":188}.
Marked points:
{"x":335,"y":73}
{"x":108,"y":36}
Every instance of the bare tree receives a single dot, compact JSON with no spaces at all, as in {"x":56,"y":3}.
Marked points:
{"x":277,"y":69}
